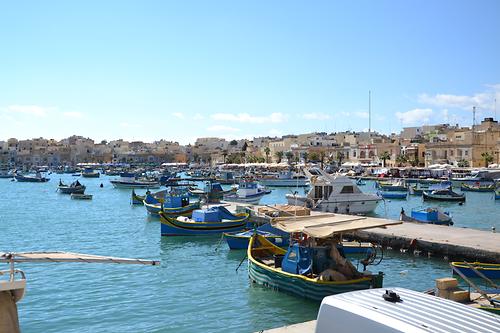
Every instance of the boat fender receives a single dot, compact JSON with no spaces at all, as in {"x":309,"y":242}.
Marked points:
{"x":102,"y":185}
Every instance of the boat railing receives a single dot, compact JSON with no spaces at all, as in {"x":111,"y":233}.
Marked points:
{"x":11,"y":273}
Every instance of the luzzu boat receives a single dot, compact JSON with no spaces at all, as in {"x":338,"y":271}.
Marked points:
{"x":127,"y":180}
{"x":215,"y":220}
{"x":239,"y":240}
{"x":173,"y":204}
{"x":90,"y":173}
{"x":477,"y":187}
{"x":212,"y":192}
{"x":248,"y":192}
{"x":427,"y":215}
{"x":443,"y":195}
{"x":312,"y":269}
{"x":38,"y":178}
{"x":392,"y":195}
{"x":397,"y":186}
{"x":137,"y":199}
{"x":491,"y":271}
{"x":74,"y":187}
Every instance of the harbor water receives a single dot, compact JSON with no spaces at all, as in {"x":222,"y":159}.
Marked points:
{"x":196,"y":287}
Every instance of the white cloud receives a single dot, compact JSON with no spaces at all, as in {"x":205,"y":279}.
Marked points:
{"x":222,"y":128}
{"x":198,"y":116}
{"x":275,"y":117}
{"x":316,"y":116}
{"x":178,"y":115}
{"x":73,"y":114}
{"x":129,"y":125}
{"x":415,"y":116}
{"x":483,"y":100}
{"x":362,"y":114}
{"x":34,"y":110}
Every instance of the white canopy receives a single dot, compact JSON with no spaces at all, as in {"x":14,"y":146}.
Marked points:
{"x":326,"y":225}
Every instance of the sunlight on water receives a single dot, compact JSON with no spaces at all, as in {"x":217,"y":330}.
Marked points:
{"x":195,"y":289}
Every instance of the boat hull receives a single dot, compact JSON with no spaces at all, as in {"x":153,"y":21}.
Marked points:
{"x":173,"y":227}
{"x":299,"y":285}
{"x":132,"y":185}
{"x":237,"y":242}
{"x":176,"y":211}
{"x":433,"y":197}
{"x":71,"y":190}
{"x":23,"y":179}
{"x":491,"y":271}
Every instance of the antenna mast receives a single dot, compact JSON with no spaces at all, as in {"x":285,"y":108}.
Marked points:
{"x":369,"y":111}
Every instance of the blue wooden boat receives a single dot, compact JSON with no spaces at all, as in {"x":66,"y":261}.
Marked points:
{"x":427,"y":215}
{"x":173,"y":204}
{"x":392,"y":195}
{"x":212,"y":192}
{"x":215,"y":220}
{"x":239,"y":240}
{"x":138,"y":199}
{"x":90,"y":173}
{"x":491,"y":271}
{"x":297,"y":269}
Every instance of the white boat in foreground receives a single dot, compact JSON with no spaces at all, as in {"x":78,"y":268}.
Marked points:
{"x":334,"y":194}
{"x":394,"y":310}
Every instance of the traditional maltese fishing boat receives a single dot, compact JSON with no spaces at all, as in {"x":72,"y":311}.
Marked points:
{"x":174,"y":204}
{"x":38,"y":178}
{"x":313,"y":266}
{"x":443,"y":195}
{"x":74,"y":187}
{"x":476,"y":269}
{"x":214,"y":220}
{"x":432,"y":215}
{"x":477,"y":187}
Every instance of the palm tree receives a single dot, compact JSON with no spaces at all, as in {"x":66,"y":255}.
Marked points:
{"x":289,"y":156}
{"x":384,"y":156}
{"x":340,"y":157}
{"x":267,"y":151}
{"x":305,"y":155}
{"x":279,"y":156}
{"x":487,"y":157}
{"x":224,"y":155}
{"x":401,"y":159}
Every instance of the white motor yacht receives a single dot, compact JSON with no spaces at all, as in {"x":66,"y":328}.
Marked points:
{"x":334,"y":194}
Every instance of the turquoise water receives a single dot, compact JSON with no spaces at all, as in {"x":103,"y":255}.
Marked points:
{"x":196,"y":288}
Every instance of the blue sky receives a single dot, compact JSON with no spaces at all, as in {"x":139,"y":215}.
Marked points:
{"x":146,"y":70}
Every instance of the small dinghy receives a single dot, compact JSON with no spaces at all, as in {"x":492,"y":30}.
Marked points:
{"x":81,"y":196}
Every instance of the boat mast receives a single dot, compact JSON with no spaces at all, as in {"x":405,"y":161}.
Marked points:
{"x":369,"y":111}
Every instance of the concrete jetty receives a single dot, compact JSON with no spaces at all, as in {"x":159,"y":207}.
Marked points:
{"x":452,"y":242}
{"x":445,"y":241}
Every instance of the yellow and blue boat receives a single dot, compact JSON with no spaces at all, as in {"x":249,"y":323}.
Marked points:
{"x":173,"y":204}
{"x":312,"y":267}
{"x":491,"y":271}
{"x":477,"y":188}
{"x":214,"y":220}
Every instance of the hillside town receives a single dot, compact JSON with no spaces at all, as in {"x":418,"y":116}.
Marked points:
{"x":475,"y":146}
